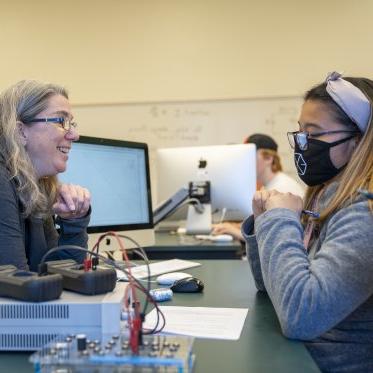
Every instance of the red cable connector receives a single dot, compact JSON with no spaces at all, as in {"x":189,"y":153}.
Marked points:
{"x":87,"y":263}
{"x":135,"y":335}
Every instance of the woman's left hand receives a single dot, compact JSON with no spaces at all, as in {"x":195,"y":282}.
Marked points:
{"x":73,"y":201}
{"x":289,"y":201}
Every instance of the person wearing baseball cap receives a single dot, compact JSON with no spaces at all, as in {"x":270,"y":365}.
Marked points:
{"x":268,"y":166}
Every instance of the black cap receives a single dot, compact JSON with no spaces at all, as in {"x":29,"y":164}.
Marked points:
{"x":262,"y":141}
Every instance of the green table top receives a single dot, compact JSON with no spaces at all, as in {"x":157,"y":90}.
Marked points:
{"x":261,"y":347}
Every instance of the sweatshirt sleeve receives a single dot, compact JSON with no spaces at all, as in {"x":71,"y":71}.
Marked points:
{"x":12,"y":245}
{"x":312,"y":296}
{"x":247,"y":230}
{"x":72,"y":232}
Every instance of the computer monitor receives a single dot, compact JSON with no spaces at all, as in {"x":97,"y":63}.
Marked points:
{"x":117,"y":175}
{"x":231,"y":170}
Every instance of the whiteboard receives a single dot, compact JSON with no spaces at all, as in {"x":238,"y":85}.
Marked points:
{"x":194,"y":123}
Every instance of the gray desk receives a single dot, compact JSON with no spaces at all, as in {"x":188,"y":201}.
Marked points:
{"x":169,"y":246}
{"x":261,"y":347}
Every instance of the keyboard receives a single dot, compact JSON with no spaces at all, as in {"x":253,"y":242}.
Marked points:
{"x":215,"y":238}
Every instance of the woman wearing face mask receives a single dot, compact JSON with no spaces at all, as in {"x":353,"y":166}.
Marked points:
{"x":36,"y":135}
{"x":317,"y":266}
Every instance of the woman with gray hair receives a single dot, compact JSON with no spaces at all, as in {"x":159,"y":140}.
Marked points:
{"x":36,"y":135}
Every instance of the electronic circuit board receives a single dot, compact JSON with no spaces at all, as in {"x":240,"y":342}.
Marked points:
{"x":78,"y":354}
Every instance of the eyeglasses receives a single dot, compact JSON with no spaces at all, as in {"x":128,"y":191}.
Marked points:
{"x":64,"y":123}
{"x":301,"y":137}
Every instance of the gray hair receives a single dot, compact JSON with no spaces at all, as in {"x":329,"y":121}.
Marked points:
{"x":19,"y":103}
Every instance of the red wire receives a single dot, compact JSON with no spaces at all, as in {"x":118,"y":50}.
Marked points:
{"x":128,"y":266}
{"x":135,"y":324}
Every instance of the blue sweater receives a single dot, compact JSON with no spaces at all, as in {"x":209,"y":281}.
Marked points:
{"x":24,"y":241}
{"x":324,"y":296}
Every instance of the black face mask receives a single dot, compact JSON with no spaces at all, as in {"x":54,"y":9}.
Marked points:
{"x":314,"y":165}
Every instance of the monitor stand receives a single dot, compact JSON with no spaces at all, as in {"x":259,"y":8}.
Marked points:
{"x":199,"y":222}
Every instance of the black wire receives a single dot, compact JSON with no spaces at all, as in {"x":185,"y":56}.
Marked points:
{"x":115,"y":265}
{"x":158,"y":313}
{"x":110,"y":255}
{"x":143,"y":256}
{"x":146,"y":260}
{"x":148,"y":279}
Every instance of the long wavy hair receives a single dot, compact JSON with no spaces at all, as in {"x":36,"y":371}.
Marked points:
{"x":358,"y":173}
{"x":20,"y":103}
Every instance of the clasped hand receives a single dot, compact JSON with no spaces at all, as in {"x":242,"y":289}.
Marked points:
{"x":73,"y":201}
{"x":265,"y":200}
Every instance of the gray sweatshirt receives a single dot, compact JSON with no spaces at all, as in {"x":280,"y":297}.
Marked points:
{"x":324,"y":296}
{"x":23,"y":242}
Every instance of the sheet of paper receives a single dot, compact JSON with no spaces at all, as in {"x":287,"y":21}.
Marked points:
{"x":158,"y":268}
{"x":202,"y":322}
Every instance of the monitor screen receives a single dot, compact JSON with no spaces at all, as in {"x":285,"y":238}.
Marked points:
{"x":231,"y":170}
{"x":117,"y":175}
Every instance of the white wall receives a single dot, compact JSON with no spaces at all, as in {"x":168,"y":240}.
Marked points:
{"x":154,"y":50}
